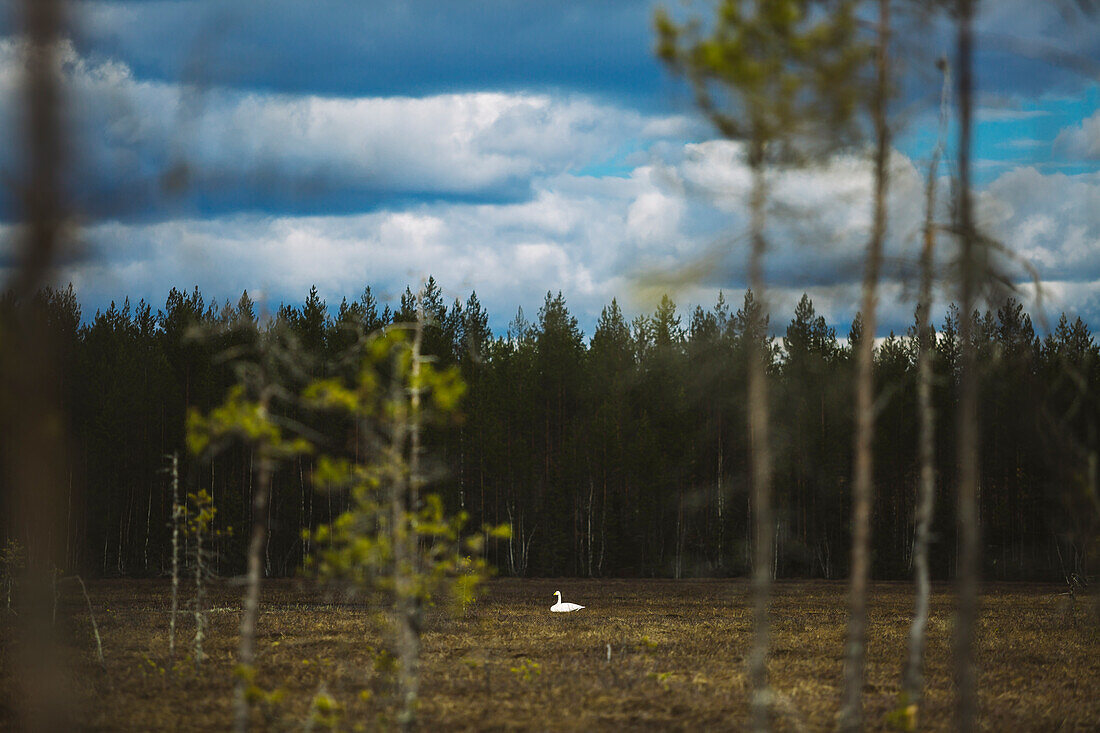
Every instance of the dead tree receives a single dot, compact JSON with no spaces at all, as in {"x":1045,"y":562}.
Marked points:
{"x":177,"y":518}
{"x":912,"y":678}
{"x":852,"y":708}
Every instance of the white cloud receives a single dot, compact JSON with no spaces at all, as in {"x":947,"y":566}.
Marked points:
{"x":1052,"y":220}
{"x":1004,"y":114}
{"x":1023,"y":144}
{"x":590,"y":237}
{"x":598,"y":238}
{"x":681,"y":205}
{"x":1082,"y":140}
{"x":654,"y":216}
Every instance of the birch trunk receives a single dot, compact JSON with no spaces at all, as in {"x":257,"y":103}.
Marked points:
{"x":200,"y":596}
{"x":851,"y":714}
{"x":406,"y":499}
{"x":177,"y":514}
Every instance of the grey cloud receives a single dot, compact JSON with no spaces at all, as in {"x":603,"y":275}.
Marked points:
{"x":156,"y":150}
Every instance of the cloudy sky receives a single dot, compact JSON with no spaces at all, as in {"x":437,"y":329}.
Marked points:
{"x":515,"y":147}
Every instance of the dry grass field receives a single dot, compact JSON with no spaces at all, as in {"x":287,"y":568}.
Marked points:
{"x":677,"y":659}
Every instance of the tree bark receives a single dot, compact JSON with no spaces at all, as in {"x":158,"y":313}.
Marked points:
{"x":177,"y":515}
{"x":912,"y":682}
{"x":246,"y":652}
{"x":851,"y":714}
{"x":969,"y":273}
{"x":761,"y":450}
{"x":200,"y":594}
{"x":406,"y":499}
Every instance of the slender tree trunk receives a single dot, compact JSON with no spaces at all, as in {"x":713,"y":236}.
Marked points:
{"x":200,"y":594}
{"x":70,"y":562}
{"x":969,"y":272}
{"x":719,"y":504}
{"x":912,"y":682}
{"x":591,"y":491}
{"x":177,"y":515}
{"x":251,"y":499}
{"x":678,"y":566}
{"x":246,"y":653}
{"x":267,"y":519}
{"x":462,"y":469}
{"x":214,"y":544}
{"x":120,"y":565}
{"x":148,"y":523}
{"x":416,"y":479}
{"x":511,"y":541}
{"x":303,"y":540}
{"x":603,"y":530}
{"x":761,"y":449}
{"x":406,"y":499}
{"x":862,"y":485}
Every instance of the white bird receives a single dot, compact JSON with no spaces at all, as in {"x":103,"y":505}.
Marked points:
{"x":560,"y":607}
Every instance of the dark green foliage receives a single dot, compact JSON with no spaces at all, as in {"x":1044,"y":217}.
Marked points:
{"x":623,"y":455}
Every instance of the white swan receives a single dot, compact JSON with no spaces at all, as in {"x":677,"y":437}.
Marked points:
{"x":560,"y":607}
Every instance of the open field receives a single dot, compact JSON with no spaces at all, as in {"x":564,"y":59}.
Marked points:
{"x":677,"y":658}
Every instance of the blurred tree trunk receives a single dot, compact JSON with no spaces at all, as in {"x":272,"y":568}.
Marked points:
{"x":33,"y":455}
{"x":246,"y":652}
{"x":969,"y":272}
{"x":912,"y":682}
{"x":406,"y":498}
{"x":760,"y":447}
{"x":862,"y":488}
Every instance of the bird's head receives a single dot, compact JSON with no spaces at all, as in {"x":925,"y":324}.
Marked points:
{"x":557,"y":593}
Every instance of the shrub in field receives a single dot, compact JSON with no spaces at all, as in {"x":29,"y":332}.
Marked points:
{"x":393,"y":542}
{"x":200,"y":528}
{"x":240,"y":417}
{"x":91,"y":617}
{"x":325,"y":712}
{"x":267,"y":701}
{"x":525,"y":669}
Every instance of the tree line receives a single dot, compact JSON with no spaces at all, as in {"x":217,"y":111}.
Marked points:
{"x":623,"y":454}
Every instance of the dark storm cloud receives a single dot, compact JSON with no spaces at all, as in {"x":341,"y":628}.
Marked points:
{"x":351,"y":48}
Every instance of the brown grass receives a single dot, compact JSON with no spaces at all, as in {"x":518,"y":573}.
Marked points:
{"x":678,"y":658}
